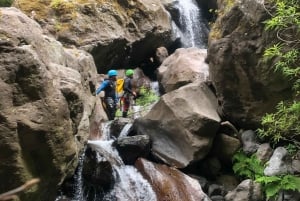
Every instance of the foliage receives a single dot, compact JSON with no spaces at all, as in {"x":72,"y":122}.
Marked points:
{"x":283,"y":125}
{"x":252,"y":168}
{"x":247,"y":167}
{"x":291,"y":148}
{"x":146,"y":97}
{"x":6,"y":3}
{"x":62,"y":6}
{"x":272,"y":185}
{"x":285,"y":21}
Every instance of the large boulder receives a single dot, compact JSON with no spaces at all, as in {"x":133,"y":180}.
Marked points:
{"x":46,"y":102}
{"x":247,"y":87}
{"x":184,"y":66}
{"x":182,"y":124}
{"x":116,"y":33}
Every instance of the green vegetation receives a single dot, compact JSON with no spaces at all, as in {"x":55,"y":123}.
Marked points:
{"x":247,"y":167}
{"x":251,"y":168}
{"x":62,"y":7}
{"x":283,"y":125}
{"x":147,"y":97}
{"x":6,"y":3}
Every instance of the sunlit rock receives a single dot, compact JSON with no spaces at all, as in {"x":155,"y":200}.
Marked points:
{"x":184,"y":66}
{"x":182,"y":125}
{"x":45,"y":106}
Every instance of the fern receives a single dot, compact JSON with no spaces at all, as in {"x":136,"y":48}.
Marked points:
{"x":247,"y":167}
{"x":272,"y":185}
{"x":251,"y":168}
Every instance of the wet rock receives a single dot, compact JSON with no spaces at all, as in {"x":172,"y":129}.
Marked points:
{"x":170,"y":184}
{"x":95,"y":172}
{"x":133,"y":147}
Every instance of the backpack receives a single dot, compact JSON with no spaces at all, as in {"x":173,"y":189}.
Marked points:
{"x":119,"y":86}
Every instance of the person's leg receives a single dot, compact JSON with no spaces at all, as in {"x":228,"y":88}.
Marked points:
{"x":126,"y":105}
{"x":111,"y":108}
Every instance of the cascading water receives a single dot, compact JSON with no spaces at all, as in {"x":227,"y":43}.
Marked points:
{"x":193,"y":28}
{"x":128,"y":183}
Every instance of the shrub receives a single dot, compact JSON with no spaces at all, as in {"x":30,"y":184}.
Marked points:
{"x":146,"y":97}
{"x":285,"y":21}
{"x":251,"y":168}
{"x":6,"y":3}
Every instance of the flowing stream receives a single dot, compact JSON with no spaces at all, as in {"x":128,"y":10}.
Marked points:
{"x":128,"y":185}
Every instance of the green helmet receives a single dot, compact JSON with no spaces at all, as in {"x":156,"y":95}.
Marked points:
{"x":129,"y":72}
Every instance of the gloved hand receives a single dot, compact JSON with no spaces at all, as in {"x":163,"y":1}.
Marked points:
{"x":134,"y":94}
{"x":102,"y":94}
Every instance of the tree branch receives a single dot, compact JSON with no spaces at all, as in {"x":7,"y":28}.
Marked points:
{"x":12,"y":193}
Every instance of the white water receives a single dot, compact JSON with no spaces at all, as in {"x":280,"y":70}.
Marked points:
{"x":193,"y":28}
{"x":130,"y":186}
{"x":78,"y":179}
{"x":129,"y":183}
{"x":124,"y":132}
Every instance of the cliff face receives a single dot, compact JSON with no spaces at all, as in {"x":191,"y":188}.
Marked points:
{"x":247,"y":87}
{"x":118,"y":33}
{"x":45,"y":105}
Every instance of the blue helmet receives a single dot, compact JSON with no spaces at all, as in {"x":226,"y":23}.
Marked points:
{"x":112,"y":73}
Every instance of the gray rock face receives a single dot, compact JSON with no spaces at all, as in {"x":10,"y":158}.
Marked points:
{"x":45,"y":105}
{"x":182,"y":124}
{"x":247,"y":190}
{"x":249,"y":141}
{"x":277,"y":164}
{"x":246,"y":86}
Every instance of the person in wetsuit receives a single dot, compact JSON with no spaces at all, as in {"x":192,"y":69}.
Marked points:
{"x":110,"y":98}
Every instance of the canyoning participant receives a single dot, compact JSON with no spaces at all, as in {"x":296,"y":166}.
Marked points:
{"x":128,"y":92}
{"x":110,"y":98}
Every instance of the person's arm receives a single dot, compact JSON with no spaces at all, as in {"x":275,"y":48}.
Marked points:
{"x":102,"y":87}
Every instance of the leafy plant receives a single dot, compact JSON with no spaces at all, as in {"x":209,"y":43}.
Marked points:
{"x":285,"y":53}
{"x":283,"y":125}
{"x":291,"y":148}
{"x":247,"y":167}
{"x":6,"y":3}
{"x":251,"y":168}
{"x":272,"y":185}
{"x":146,"y":97}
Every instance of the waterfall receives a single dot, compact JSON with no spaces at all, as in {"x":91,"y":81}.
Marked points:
{"x":193,"y":27}
{"x":129,"y":183}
